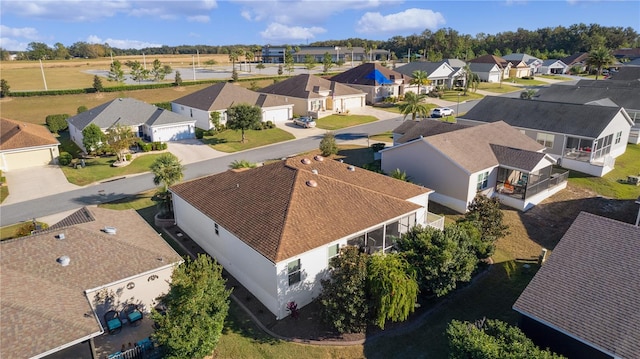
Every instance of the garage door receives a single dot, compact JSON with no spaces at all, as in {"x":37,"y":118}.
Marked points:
{"x":26,"y":159}
{"x":277,"y":115}
{"x":174,"y":133}
{"x":353,"y":102}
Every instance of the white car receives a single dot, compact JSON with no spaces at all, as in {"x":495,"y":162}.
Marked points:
{"x":441,"y":112}
{"x":306,"y":122}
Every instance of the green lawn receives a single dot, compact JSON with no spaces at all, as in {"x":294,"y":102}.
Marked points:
{"x":556,"y":77}
{"x":382,"y":137}
{"x":9,"y":232}
{"x":335,"y":122}
{"x":609,"y":185}
{"x":498,"y":87}
{"x":99,"y":169}
{"x":453,"y":96}
{"x":526,"y":82}
{"x":229,"y":140}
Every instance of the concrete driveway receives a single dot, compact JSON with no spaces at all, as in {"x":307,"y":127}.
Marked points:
{"x":193,"y":150}
{"x":36,"y":182}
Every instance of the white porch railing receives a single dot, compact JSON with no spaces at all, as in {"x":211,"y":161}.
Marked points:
{"x":435,"y":221}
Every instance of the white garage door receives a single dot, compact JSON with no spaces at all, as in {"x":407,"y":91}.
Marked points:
{"x":277,"y":115}
{"x":19,"y":160}
{"x":353,"y":102}
{"x":174,"y":133}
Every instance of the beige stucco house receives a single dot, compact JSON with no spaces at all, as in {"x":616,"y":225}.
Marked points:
{"x":24,"y":145}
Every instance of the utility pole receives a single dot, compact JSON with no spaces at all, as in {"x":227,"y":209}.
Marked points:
{"x":43,"y":78}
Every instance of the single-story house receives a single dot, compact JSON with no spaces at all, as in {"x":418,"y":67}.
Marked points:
{"x":605,"y":93}
{"x":531,"y":61}
{"x":459,"y":72}
{"x":486,"y":72}
{"x":439,"y":74}
{"x":518,"y":69}
{"x":377,"y":81}
{"x":315,"y":96}
{"x":552,"y":67}
{"x":503,"y":65}
{"x":627,"y":53}
{"x":583,"y":302}
{"x":459,"y":161}
{"x":577,"y":60}
{"x":583,"y":138}
{"x":275,"y":227}
{"x":58,"y":283}
{"x":24,"y":145}
{"x":146,"y":121}
{"x":219,"y":97}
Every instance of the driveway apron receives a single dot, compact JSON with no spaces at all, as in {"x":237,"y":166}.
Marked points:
{"x":36,"y":182}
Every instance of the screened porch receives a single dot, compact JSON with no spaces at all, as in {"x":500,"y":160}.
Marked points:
{"x":522,"y":185}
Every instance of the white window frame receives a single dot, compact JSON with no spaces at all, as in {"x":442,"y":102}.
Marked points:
{"x":545,"y":139}
{"x":483,"y":181}
{"x":618,"y":137}
{"x":294,"y":271}
{"x":334,"y":247}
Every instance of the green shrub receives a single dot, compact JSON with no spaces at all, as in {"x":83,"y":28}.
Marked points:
{"x":270,"y":124}
{"x":146,"y":147}
{"x":65,"y":158}
{"x":57,"y":123}
{"x":377,"y":146}
{"x":127,"y":157}
{"x":82,"y":109}
{"x":199,"y":133}
{"x":163,"y":105}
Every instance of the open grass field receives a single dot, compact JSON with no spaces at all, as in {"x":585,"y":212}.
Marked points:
{"x":334,"y":122}
{"x":229,"y":140}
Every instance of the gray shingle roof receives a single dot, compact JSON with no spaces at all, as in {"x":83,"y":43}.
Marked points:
{"x":589,"y":286}
{"x":516,"y":158}
{"x":428,"y":67}
{"x":43,"y":304}
{"x":471,"y":147}
{"x":425,"y":128}
{"x":555,"y":117}
{"x":622,"y":93}
{"x":528,"y":59}
{"x":224,"y":95}
{"x":627,"y":73}
{"x":295,"y":217}
{"x":307,"y":86}
{"x":126,"y":112}
{"x":481,"y":67}
{"x":575,"y":58}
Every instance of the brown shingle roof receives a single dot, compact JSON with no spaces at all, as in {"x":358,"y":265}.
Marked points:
{"x":361,"y":75}
{"x":275,"y":211}
{"x":43,"y":304}
{"x":224,"y":95}
{"x":589,"y":286}
{"x":471,"y":147}
{"x":14,"y":135}
{"x":490,"y":59}
{"x":308,"y":86}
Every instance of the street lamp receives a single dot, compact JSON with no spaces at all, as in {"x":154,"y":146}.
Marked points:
{"x":337,"y":54}
{"x":458,"y":105}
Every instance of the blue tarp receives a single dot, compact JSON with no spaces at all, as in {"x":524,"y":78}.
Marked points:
{"x":378,"y":77}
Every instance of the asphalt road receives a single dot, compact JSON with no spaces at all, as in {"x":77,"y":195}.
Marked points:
{"x":119,"y":188}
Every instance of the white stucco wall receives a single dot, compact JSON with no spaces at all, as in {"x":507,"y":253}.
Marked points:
{"x":254,"y":271}
{"x":202,"y":117}
{"x":430,"y":168}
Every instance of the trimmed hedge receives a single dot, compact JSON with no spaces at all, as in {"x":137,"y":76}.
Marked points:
{"x":57,"y":123}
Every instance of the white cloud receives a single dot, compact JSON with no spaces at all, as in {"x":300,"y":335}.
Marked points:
{"x":408,"y":20}
{"x":93,"y":10}
{"x":199,"y":18}
{"x":13,"y":44}
{"x":22,"y":32}
{"x":122,"y":44}
{"x":312,"y":12}
{"x":281,"y":32}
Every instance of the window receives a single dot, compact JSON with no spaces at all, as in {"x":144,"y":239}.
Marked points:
{"x":407,"y":222}
{"x":545,"y":139}
{"x":333,"y":251}
{"x":293,"y":270}
{"x":215,"y":227}
{"x":483,"y":181}
{"x":618,"y":137}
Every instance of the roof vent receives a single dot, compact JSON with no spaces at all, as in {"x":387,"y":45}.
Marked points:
{"x":312,"y":183}
{"x":60,"y":236}
{"x":318,"y":158}
{"x":314,"y":171}
{"x":351,"y":168}
{"x":110,"y":230}
{"x":306,"y":161}
{"x":64,"y":260}
{"x":341,"y":160}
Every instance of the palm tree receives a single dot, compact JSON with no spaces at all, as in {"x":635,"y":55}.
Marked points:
{"x":167,"y":171}
{"x":599,"y":58}
{"x":471,"y":79}
{"x":413,"y":105}
{"x":419,"y":78}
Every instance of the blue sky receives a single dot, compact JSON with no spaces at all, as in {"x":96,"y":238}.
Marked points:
{"x":138,"y":24}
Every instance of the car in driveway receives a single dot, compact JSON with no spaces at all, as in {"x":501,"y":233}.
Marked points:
{"x":441,"y":112}
{"x":305,"y":121}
